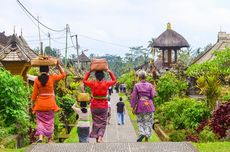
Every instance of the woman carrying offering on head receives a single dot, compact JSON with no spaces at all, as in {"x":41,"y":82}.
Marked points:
{"x":99,"y":102}
{"x":43,"y":101}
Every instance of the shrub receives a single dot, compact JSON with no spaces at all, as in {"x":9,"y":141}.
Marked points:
{"x":226,"y":97}
{"x":218,"y":66}
{"x":207,"y":135}
{"x":182,"y":113}
{"x":66,"y":102}
{"x":209,"y":75}
{"x":128,"y":79}
{"x":211,"y":87}
{"x":192,"y":138}
{"x":61,"y":89}
{"x":202,"y":125}
{"x":168,"y":87}
{"x":33,"y":71}
{"x":220,"y":122}
{"x":177,"y":135}
{"x":13,"y":102}
{"x":57,"y":124}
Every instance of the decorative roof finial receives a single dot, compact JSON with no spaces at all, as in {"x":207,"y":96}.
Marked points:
{"x":14,"y":29}
{"x":169,"y":26}
{"x":21,"y":31}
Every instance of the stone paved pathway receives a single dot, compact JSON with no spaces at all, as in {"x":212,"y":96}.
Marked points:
{"x":118,"y":138}
{"x":116,"y":147}
{"x":119,"y":133}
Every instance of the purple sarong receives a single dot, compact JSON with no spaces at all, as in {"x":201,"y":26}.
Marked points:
{"x":45,"y":123}
{"x":99,"y":116}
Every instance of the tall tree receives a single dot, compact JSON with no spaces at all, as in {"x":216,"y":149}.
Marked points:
{"x":91,"y":56}
{"x":116,"y":63}
{"x":52,"y":52}
{"x":150,"y":43}
{"x":151,"y":48}
{"x":139,"y":55}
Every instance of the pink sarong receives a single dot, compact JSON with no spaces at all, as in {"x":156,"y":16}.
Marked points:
{"x":45,"y":123}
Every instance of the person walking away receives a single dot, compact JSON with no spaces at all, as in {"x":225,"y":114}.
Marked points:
{"x":121,"y":88}
{"x":124,"y":88}
{"x":143,"y":107}
{"x":117,"y":87}
{"x":43,"y":101}
{"x":99,"y":102}
{"x":120,"y":111}
{"x":110,"y":90}
{"x":109,"y":111}
{"x":83,"y":121}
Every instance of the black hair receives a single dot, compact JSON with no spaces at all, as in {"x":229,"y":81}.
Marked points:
{"x":83,"y":106}
{"x":99,"y":75}
{"x":43,"y":78}
{"x":120,"y":99}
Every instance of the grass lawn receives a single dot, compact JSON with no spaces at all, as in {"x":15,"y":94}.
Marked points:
{"x":213,"y":147}
{"x":73,"y":138}
{"x":154,"y":137}
{"x":12,"y":150}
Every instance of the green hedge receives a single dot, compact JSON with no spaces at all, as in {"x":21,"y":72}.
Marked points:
{"x":182,"y":113}
{"x":14,"y":104}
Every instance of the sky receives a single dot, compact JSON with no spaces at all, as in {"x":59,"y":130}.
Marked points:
{"x":112,"y":26}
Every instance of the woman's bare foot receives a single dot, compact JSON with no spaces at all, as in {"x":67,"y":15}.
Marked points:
{"x":40,"y":139}
{"x":99,"y":139}
{"x":50,"y":141}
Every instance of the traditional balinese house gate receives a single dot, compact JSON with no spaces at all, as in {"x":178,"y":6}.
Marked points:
{"x":16,"y":56}
{"x":170,"y":42}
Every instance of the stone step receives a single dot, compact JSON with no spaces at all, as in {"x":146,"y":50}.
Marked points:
{"x":114,"y":147}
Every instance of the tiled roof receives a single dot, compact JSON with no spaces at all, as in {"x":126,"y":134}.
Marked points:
{"x":17,"y":49}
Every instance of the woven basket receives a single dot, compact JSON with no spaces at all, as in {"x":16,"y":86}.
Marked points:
{"x":99,"y":65}
{"x":44,"y":61}
{"x":83,"y":97}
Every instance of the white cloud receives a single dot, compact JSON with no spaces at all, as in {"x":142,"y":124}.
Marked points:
{"x":125,"y":22}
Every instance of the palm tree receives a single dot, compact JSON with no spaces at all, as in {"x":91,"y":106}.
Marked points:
{"x":153,"y":67}
{"x":151,"y":42}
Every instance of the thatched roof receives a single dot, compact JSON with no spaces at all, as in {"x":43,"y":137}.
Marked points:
{"x":17,"y":49}
{"x":170,"y":39}
{"x":83,"y":58}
